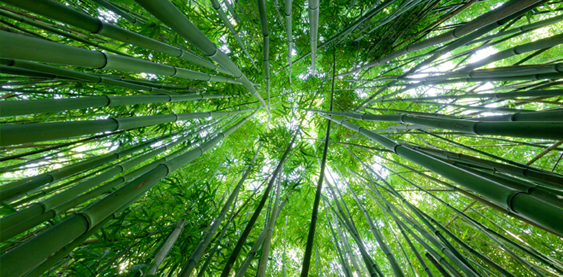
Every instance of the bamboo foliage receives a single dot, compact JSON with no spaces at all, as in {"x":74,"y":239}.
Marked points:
{"x":128,"y":146}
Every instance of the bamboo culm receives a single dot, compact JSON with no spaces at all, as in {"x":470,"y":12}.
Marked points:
{"x":16,"y":134}
{"x":252,"y":221}
{"x":72,"y":17}
{"x":26,"y":256}
{"x":25,"y":48}
{"x":49,"y":208}
{"x":202,"y":246}
{"x":177,"y":21}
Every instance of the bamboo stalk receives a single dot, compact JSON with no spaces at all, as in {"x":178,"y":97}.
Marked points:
{"x":542,"y":129}
{"x":249,"y":226}
{"x":67,"y":15}
{"x":202,"y":246}
{"x":77,"y":225}
{"x":12,"y":108}
{"x":177,"y":21}
{"x":167,"y":246}
{"x":22,"y":47}
{"x":15,"y":134}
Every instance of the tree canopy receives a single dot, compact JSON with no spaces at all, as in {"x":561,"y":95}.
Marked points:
{"x":254,"y":138}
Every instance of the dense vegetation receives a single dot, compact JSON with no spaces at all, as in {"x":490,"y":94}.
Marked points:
{"x":242,"y":138}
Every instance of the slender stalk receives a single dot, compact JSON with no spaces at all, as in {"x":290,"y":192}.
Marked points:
{"x":167,"y":246}
{"x":202,"y":246}
{"x":250,"y":225}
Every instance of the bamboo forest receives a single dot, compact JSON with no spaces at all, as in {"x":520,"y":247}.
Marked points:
{"x":356,"y":138}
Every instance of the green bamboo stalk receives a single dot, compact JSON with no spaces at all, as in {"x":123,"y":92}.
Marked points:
{"x":251,"y":253}
{"x":312,"y":227}
{"x":483,"y":74}
{"x":526,"y":172}
{"x":468,"y":194}
{"x":343,"y":262}
{"x":167,"y":246}
{"x":16,"y":134}
{"x":58,"y":146}
{"x":24,"y":257}
{"x":447,"y":248}
{"x":235,"y":34}
{"x":418,"y":257}
{"x":450,"y":234}
{"x":177,"y":21}
{"x":289,"y":25}
{"x":62,"y":253}
{"x":515,"y":201}
{"x":387,"y":207}
{"x":372,"y":266}
{"x":347,"y":248}
{"x":31,"y":183}
{"x":12,"y":108}
{"x":437,"y":265}
{"x":529,"y":250}
{"x":212,"y":252}
{"x":482,"y":257}
{"x":266,"y":45}
{"x":480,"y":226}
{"x":263,"y":263}
{"x":23,"y":47}
{"x":369,"y":101}
{"x":374,"y":230}
{"x":313,"y":30}
{"x":252,"y":221}
{"x":72,"y":17}
{"x":259,"y":242}
{"x":49,"y":208}
{"x":50,"y":29}
{"x":523,"y":129}
{"x":532,"y":46}
{"x":206,"y":239}
{"x":75,"y":76}
{"x":504,"y":95}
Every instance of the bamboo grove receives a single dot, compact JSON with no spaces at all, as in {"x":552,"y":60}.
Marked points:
{"x":281,"y":138}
